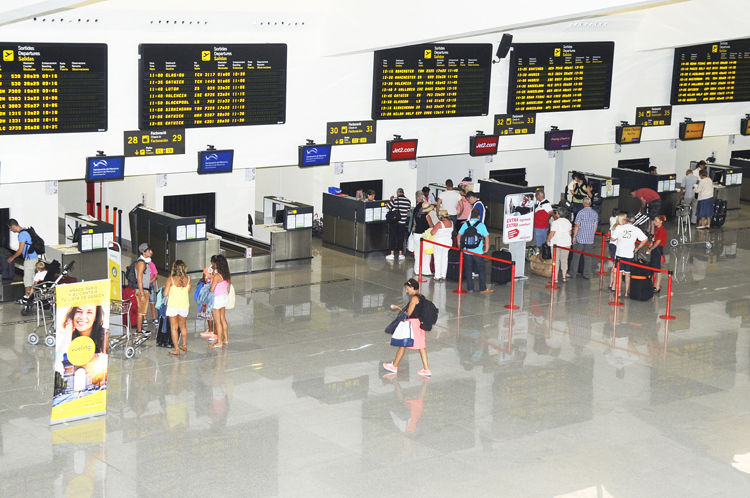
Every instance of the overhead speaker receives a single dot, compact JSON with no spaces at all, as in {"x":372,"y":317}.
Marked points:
{"x":504,"y":47}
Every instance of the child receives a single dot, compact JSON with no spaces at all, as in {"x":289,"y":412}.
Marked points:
{"x":40,"y":271}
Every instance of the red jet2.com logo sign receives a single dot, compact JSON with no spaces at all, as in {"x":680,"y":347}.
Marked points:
{"x":486,"y":145}
{"x":403,"y":150}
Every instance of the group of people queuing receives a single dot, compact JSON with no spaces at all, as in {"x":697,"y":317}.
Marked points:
{"x":216,"y":278}
{"x":443,"y":220}
{"x":697,"y":189}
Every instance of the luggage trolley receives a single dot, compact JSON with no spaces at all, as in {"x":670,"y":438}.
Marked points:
{"x":684,"y":231}
{"x":126,"y":339}
{"x":44,"y":297}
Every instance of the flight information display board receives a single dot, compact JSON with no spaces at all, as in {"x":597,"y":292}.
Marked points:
{"x":53,"y":87}
{"x":203,"y":85}
{"x":515,"y":124}
{"x":351,"y":132}
{"x":550,"y":77}
{"x":712,"y":72}
{"x":654,"y":116}
{"x":432,"y":81}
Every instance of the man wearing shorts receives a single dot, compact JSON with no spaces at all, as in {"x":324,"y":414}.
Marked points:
{"x":650,"y":204}
{"x":625,"y":237}
{"x":142,"y":293}
{"x":29,"y":259}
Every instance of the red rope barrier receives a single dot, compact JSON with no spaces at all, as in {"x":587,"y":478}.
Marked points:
{"x":617,"y":302}
{"x":668,"y":315}
{"x":421,"y":255}
{"x":512,"y":306}
{"x":554,"y":270}
{"x":601,"y":259}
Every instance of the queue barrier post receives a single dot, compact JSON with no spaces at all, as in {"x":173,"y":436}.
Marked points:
{"x":421,"y":255}
{"x":668,"y":315}
{"x":512,"y":306}
{"x":617,"y":302}
{"x":601,"y":258}
{"x":554,"y":270}
{"x":460,"y":289}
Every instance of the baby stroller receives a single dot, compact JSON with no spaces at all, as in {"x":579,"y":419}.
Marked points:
{"x":44,"y":299}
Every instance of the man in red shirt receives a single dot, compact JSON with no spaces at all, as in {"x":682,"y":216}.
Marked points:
{"x":650,"y":204}
{"x":541,"y":218}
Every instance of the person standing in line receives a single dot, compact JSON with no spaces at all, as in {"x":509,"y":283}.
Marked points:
{"x":705,"y":191}
{"x":476,"y":204}
{"x":657,"y":249}
{"x":450,"y":200}
{"x":578,"y":191}
{"x":414,"y":310}
{"x":443,"y":233}
{"x":626,"y":236}
{"x":208,"y":273}
{"x":650,"y":204}
{"x":177,"y":289}
{"x":473,"y":262}
{"x":142,"y":293}
{"x":154,"y":285}
{"x":465,"y":212}
{"x":587,"y":220}
{"x":29,"y":259}
{"x":559,"y":235}
{"x":422,"y":224}
{"x":398,"y":230}
{"x":542,"y":214}
{"x":220,"y":287}
{"x":687,"y":189}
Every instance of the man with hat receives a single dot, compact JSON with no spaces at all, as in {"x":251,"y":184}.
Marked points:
{"x":142,"y":293}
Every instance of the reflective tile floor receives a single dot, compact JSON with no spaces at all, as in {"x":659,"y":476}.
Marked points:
{"x":565,"y":397}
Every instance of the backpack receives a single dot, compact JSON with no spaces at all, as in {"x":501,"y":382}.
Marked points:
{"x":160,"y":299}
{"x":471,"y":238}
{"x":429,"y":315}
{"x":37,"y":243}
{"x":130,"y":276}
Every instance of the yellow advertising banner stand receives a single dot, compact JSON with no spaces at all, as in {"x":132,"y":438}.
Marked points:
{"x":81,"y":359}
{"x":114,"y":264}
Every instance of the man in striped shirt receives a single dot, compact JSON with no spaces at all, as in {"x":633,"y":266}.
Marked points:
{"x":587,"y":220}
{"x":397,"y":231}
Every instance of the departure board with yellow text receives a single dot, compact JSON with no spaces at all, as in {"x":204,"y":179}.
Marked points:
{"x":53,"y":88}
{"x":432,"y":81}
{"x":712,"y":72}
{"x":203,"y":85}
{"x":550,"y":77}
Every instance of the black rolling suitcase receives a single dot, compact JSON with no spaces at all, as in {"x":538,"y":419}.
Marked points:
{"x":501,"y":272}
{"x":720,"y":213}
{"x":454,"y":258}
{"x":641,"y":284}
{"x":164,"y":334}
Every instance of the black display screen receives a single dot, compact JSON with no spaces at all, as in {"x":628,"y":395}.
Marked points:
{"x":203,"y":85}
{"x":53,"y":87}
{"x":550,"y":77}
{"x":711,"y":72}
{"x":432,"y":81}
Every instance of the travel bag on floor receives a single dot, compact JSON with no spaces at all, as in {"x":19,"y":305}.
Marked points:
{"x":641,"y":285}
{"x":452,"y":272}
{"x":720,"y":213}
{"x":501,"y":272}
{"x":540,"y":267}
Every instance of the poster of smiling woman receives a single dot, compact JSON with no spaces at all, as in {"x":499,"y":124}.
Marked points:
{"x":82,"y":337}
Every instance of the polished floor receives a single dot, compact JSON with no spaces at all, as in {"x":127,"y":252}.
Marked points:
{"x":565,"y":397}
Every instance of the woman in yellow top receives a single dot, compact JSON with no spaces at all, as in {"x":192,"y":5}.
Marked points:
{"x":178,"y":305}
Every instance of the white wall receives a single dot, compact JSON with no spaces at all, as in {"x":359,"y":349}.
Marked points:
{"x":338,"y":87}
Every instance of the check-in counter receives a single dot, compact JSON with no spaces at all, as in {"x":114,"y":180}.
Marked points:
{"x":353,"y":224}
{"x":286,"y":229}
{"x":171,"y":237}
{"x":730,"y":178}
{"x":492,"y":194}
{"x":88,"y":233}
{"x":608,"y":189}
{"x":665,"y":185}
{"x":744,"y":167}
{"x":89,"y":265}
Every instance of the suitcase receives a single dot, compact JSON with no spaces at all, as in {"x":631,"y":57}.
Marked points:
{"x":641,"y":285}
{"x":128,"y":294}
{"x":720,"y":213}
{"x":454,"y":257}
{"x":8,"y":270}
{"x":501,"y":272}
{"x":164,"y":334}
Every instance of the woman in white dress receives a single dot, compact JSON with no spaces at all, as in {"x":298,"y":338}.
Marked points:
{"x":443,"y":232}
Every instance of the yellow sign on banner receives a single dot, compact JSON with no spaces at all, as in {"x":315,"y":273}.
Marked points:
{"x":114,"y":262}
{"x":81,"y":343}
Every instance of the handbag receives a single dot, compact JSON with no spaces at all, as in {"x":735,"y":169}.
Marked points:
{"x":198,"y":289}
{"x":231,"y":298}
{"x":642,"y":257}
{"x":391,"y":328}
{"x":663,"y":259}
{"x":403,"y":337}
{"x":428,"y":247}
{"x":546,"y":251}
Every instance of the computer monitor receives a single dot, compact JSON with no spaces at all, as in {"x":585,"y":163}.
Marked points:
{"x":105,"y":168}
{"x":718,"y":176}
{"x":628,"y":134}
{"x":558,"y":139}
{"x":279,"y":217}
{"x":692,"y":130}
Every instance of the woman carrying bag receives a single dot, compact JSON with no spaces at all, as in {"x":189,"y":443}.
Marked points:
{"x":422,"y":224}
{"x":442,"y":232}
{"x":414,"y":310}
